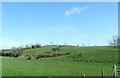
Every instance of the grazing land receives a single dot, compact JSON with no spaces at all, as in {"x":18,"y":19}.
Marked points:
{"x":75,"y":61}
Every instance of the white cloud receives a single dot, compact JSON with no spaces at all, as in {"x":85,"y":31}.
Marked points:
{"x":74,"y":10}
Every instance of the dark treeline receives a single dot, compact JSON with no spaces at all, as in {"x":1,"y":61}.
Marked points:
{"x":16,"y":52}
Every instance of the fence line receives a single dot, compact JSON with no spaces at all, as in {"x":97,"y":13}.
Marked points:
{"x":115,"y":72}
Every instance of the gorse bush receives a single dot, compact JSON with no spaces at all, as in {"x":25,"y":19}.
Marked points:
{"x":38,"y":56}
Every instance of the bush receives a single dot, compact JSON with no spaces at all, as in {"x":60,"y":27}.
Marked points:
{"x":67,"y":53}
{"x":29,"y":58}
{"x":98,"y":60}
{"x":56,"y":49}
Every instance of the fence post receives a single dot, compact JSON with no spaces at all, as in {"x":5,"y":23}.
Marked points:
{"x":102,"y":73}
{"x":114,"y":74}
{"x":83,"y":76}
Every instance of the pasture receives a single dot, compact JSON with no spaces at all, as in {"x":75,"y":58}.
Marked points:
{"x":80,"y":60}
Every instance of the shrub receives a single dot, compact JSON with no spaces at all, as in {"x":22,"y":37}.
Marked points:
{"x":56,"y":49}
{"x":67,"y":53}
{"x":98,"y":60}
{"x":29,"y":58}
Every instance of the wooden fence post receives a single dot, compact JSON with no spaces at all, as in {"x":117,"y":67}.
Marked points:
{"x":83,"y":76}
{"x":114,"y":74}
{"x":102,"y":73}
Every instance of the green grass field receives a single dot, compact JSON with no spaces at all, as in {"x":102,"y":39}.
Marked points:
{"x":91,"y":62}
{"x":0,"y":66}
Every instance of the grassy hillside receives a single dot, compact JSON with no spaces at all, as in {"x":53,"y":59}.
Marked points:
{"x":90,"y":54}
{"x":80,"y":60}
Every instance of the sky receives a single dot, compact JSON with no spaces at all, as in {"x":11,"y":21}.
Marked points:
{"x":88,"y":23}
{"x":60,"y":0}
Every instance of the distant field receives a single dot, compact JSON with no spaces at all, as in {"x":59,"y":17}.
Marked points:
{"x":91,"y":62}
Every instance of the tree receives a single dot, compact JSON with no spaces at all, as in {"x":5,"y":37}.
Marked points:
{"x":13,"y":52}
{"x":16,"y":52}
{"x":37,"y":45}
{"x":56,"y":49}
{"x":115,"y":42}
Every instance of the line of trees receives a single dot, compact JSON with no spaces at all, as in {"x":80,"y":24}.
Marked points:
{"x":32,"y":46}
{"x":14,"y":52}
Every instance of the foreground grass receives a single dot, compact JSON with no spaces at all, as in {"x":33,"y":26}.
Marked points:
{"x":46,"y":67}
{"x":0,"y":66}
